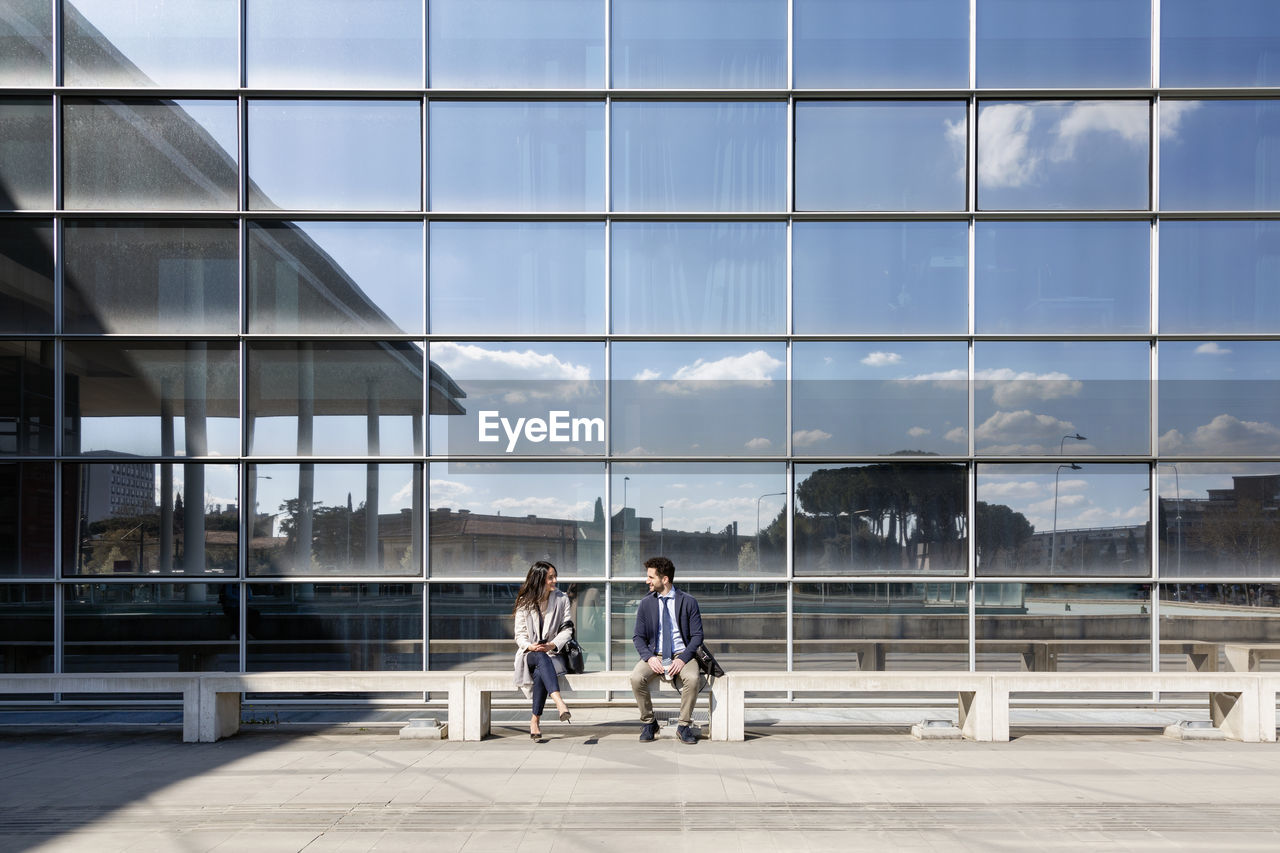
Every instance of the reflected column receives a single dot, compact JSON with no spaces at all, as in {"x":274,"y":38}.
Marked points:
{"x":371,"y":478}
{"x":306,"y":470}
{"x":197,"y":437}
{"x":166,"y":475}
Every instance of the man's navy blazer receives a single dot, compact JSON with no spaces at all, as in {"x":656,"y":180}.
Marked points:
{"x":688,"y":617}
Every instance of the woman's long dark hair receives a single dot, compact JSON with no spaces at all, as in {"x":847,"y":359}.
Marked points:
{"x":533,"y":592}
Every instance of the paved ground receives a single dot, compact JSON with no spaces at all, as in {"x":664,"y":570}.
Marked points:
{"x":594,"y":787}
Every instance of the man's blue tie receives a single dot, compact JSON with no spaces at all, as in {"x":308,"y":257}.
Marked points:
{"x":668,"y":641}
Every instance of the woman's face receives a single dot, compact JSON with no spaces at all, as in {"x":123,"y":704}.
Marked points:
{"x":551,"y":581}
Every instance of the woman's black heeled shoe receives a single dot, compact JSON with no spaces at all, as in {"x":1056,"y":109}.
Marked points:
{"x":565,"y":716}
{"x":535,"y":735}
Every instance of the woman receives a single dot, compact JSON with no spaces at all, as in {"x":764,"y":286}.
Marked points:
{"x":541,"y":610}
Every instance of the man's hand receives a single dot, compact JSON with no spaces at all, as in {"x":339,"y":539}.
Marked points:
{"x":676,"y":666}
{"x":655,"y":664}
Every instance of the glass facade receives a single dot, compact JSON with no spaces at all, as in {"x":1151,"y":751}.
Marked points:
{"x":320,"y":321}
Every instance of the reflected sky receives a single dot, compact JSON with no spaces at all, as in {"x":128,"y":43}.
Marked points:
{"x":1219,"y":398}
{"x":512,"y":43}
{"x":880,"y":277}
{"x":1064,"y":43}
{"x":1219,"y":276}
{"x":1072,"y":155}
{"x":1096,"y":495}
{"x":881,"y":44}
{"x":1029,"y":394}
{"x":1058,"y":277}
{"x":1219,"y":44}
{"x":1218,"y":155}
{"x":883,"y":155}
{"x":852,"y":397}
{"x":691,"y":44}
{"x":320,"y":44}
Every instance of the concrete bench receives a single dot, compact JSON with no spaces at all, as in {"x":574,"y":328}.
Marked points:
{"x":1268,"y":687}
{"x":1234,"y":698}
{"x":971,"y":689}
{"x":186,"y":683}
{"x":219,"y":705}
{"x":482,"y":685}
{"x":1245,"y":657}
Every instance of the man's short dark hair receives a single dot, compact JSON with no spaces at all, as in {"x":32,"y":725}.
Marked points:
{"x":662,"y":566}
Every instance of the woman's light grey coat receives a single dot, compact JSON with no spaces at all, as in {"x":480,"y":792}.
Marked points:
{"x":531,"y":629}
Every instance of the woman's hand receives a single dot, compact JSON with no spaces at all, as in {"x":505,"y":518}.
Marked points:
{"x":542,"y":647}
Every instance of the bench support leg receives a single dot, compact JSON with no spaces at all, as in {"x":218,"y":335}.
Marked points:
{"x":477,"y":714}
{"x":457,"y":711}
{"x":219,"y":714}
{"x":999,"y":714}
{"x":719,"y":708}
{"x":1236,"y":714}
{"x":975,"y":713}
{"x":1267,"y":712}
{"x":191,"y":714}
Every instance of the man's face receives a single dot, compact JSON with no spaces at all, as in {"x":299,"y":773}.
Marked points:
{"x":654,"y":580}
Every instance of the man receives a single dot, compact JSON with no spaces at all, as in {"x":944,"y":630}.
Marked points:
{"x":668,"y":632}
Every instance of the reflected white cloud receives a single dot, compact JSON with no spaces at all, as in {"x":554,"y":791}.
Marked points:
{"x":917,"y":432}
{"x":1016,"y":489}
{"x":1171,"y":115}
{"x":881,"y":359}
{"x":757,"y":365}
{"x":1021,"y":431}
{"x":1212,"y":348}
{"x":543,"y":507}
{"x":470,"y":360}
{"x":1017,"y":140}
{"x":809,"y":437}
{"x":1007,"y":159}
{"x":445,"y":492}
{"x":1224,"y":435}
{"x":759,"y":444}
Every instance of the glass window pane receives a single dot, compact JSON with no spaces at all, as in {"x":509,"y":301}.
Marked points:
{"x":26,"y":153}
{"x":517,"y":277}
{"x":147,"y":627}
{"x":1219,"y":44}
{"x":152,"y":399}
{"x":1220,"y":398}
{"x":330,"y":626}
{"x":699,"y":156}
{"x":1061,"y":277}
{"x":1063,"y":627}
{"x":755,"y":643}
{"x":881,"y":155}
{"x":699,"y":277}
{"x":527,"y":398}
{"x":1063,"y":155}
{"x":496,"y":44}
{"x":150,"y":154}
{"x":1193,"y":613}
{"x":1219,"y":276}
{"x":333,"y":277}
{"x":335,"y":155}
{"x":698,"y":399}
{"x":881,"y":44}
{"x":26,"y":520}
{"x":1030,"y":395}
{"x":26,"y":276}
{"x":333,"y":44}
{"x":26,"y":43}
{"x":26,"y":398}
{"x":880,"y":277}
{"x":314,"y":519}
{"x":178,"y":43}
{"x":144,"y":277}
{"x":353,"y":398}
{"x":471,"y":625}
{"x":1068,"y":519}
{"x":1064,"y":43}
{"x":501,"y":156}
{"x":26,"y":627}
{"x":148,"y":518}
{"x":1219,"y":155}
{"x":709,"y":518}
{"x":1217,"y":520}
{"x":884,"y":398}
{"x":884,"y":626}
{"x":699,"y":44}
{"x":887,"y":518}
{"x":494,"y":519}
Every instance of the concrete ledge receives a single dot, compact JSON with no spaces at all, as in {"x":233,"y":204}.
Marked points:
{"x":187,"y":684}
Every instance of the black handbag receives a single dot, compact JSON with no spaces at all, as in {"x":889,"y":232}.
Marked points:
{"x":574,"y":662}
{"x":707,"y":662}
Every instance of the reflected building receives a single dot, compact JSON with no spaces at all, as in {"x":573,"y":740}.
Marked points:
{"x":323,"y":333}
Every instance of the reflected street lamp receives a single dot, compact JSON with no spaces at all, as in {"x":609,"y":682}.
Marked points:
{"x":662,"y":531}
{"x":762,"y":497}
{"x":1077,"y":437}
{"x":1053,"y":539}
{"x":625,"y":480}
